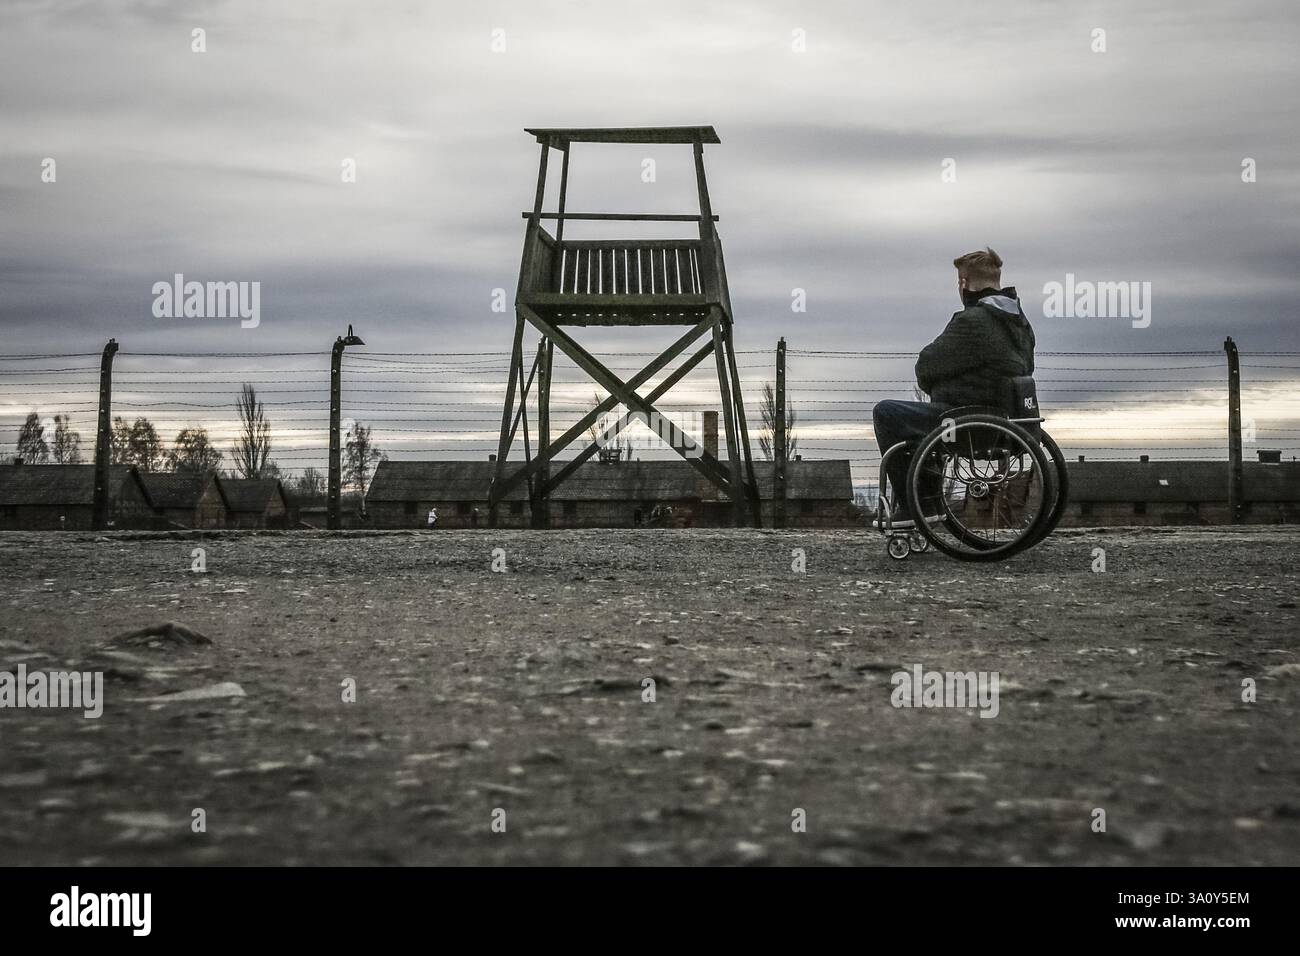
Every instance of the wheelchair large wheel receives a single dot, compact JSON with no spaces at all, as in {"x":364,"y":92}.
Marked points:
{"x":981,"y":488}
{"x":1056,"y":460}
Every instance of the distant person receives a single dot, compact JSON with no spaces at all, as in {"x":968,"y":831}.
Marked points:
{"x":433,"y":518}
{"x":473,"y":518}
{"x":985,"y":345}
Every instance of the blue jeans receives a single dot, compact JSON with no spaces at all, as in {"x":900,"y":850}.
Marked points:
{"x":903,"y":421}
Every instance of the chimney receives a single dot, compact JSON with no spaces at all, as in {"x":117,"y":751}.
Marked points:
{"x":492,"y":457}
{"x":1270,"y":456}
{"x":1144,"y":458}
{"x":18,"y":460}
{"x":1080,"y":458}
{"x":711,"y":433}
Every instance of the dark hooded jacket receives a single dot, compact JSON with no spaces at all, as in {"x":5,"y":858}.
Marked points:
{"x":984,"y":346}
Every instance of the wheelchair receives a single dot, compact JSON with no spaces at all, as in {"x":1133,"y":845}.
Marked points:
{"x":986,"y":484}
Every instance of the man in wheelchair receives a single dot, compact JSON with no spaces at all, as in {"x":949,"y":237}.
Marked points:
{"x":973,"y":361}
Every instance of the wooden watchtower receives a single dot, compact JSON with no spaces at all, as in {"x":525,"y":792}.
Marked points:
{"x":635,"y":282}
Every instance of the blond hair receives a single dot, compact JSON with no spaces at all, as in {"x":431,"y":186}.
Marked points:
{"x":981,"y":269}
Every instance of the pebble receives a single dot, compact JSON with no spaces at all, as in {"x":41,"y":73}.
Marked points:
{"x":171,"y":633}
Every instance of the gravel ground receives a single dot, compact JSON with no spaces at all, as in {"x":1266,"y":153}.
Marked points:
{"x":518,"y":697}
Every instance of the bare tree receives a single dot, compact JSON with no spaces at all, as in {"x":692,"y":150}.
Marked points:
{"x":120,"y":442}
{"x":767,"y":437}
{"x":66,"y":449}
{"x":360,"y":454}
{"x":252,"y":447}
{"x":143,"y":447}
{"x":610,"y":451}
{"x":136,"y":443}
{"x":32,"y":446}
{"x":193,"y":451}
{"x":310,"y":484}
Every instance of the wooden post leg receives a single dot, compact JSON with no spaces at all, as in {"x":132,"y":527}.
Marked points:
{"x":1235,"y":497}
{"x":738,"y":402}
{"x":102,"y":500}
{"x":334,"y":490}
{"x":542,"y":505}
{"x":521,"y":416}
{"x":503,"y":443}
{"x":729,"y":421}
{"x":778,"y":451}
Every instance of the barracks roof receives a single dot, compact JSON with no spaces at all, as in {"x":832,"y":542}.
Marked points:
{"x":252,"y":494}
{"x":58,"y":484}
{"x":665,"y":480}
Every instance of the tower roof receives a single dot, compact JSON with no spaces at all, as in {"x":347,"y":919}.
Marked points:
{"x":626,"y":134}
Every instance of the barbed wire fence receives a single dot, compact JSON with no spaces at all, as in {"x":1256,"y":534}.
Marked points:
{"x":448,"y":405}
{"x":1105,"y":406}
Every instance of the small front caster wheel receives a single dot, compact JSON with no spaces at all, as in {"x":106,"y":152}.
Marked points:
{"x":919,"y":542}
{"x":898,"y":547}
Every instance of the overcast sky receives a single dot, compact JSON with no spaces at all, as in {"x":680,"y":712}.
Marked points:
{"x":1123,"y":165}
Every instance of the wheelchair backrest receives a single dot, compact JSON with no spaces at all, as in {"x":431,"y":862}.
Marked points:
{"x":1022,"y":404}
{"x":1022,"y":398}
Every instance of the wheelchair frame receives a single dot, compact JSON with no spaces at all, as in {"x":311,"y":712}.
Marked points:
{"x":900,"y":543}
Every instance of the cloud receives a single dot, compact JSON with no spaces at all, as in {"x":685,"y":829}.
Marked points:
{"x":226,"y":165}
